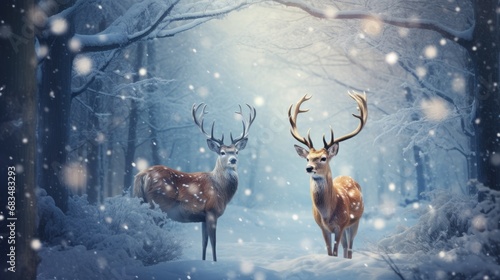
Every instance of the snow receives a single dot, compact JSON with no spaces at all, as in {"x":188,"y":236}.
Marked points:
{"x":453,"y":235}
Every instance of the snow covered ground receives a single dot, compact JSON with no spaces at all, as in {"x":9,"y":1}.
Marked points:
{"x":265,"y":244}
{"x":451,"y":237}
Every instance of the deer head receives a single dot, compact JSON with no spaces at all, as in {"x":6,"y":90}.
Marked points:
{"x":227,"y":154}
{"x":318,"y":160}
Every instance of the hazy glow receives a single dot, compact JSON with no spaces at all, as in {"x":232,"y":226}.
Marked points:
{"x":83,"y":65}
{"x":391,"y":58}
{"x":431,"y":52}
{"x":59,"y":26}
{"x":434,"y":109}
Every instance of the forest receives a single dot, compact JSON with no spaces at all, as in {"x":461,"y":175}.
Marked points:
{"x":94,"y":91}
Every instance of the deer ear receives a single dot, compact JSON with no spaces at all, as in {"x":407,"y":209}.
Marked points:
{"x":213,"y":145}
{"x":301,"y":151}
{"x":240,"y":145}
{"x":333,"y":150}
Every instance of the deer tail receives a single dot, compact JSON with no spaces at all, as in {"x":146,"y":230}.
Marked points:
{"x":140,"y":183}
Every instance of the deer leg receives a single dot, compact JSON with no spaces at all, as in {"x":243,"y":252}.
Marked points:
{"x":345,"y":243}
{"x":338,"y":236}
{"x":353,"y":230}
{"x":204,"y":239}
{"x":328,"y":241}
{"x":211,"y":225}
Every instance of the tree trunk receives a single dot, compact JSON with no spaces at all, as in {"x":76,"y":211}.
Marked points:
{"x":54,"y":99}
{"x":485,"y":54}
{"x":152,"y":107}
{"x":417,"y":154}
{"x":132,"y":126}
{"x":18,"y":140}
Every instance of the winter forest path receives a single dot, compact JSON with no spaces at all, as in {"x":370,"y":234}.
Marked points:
{"x":266,"y":244}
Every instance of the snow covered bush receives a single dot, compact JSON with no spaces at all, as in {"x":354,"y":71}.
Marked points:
{"x":121,"y":226}
{"x":457,"y":237}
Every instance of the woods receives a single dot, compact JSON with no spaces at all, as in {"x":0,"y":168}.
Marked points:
{"x":91,"y":92}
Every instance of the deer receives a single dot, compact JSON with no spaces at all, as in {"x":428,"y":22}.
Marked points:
{"x":200,"y":196}
{"x":337,"y":203}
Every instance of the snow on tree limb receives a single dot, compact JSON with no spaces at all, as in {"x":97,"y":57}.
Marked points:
{"x":143,"y":21}
{"x":118,"y":34}
{"x":461,"y":37}
{"x":121,"y":32}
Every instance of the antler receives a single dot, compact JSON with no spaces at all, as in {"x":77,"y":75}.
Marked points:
{"x":246,"y":126}
{"x":199,"y":122}
{"x":363,"y":115}
{"x":362,"y":108}
{"x":293,"y":122}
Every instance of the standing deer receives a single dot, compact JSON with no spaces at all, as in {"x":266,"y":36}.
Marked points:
{"x":337,"y":204}
{"x":201,"y":196}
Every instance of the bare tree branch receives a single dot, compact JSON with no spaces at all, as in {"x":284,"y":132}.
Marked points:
{"x":461,"y":37}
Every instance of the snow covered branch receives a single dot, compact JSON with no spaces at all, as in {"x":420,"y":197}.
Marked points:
{"x":462,"y":37}
{"x":122,"y":32}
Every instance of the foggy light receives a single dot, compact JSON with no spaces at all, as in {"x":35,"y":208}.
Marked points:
{"x":371,"y":27}
{"x":25,"y":140}
{"x":295,"y":217}
{"x":378,"y":223}
{"x":330,"y":12}
{"x":59,"y":26}
{"x":259,"y":101}
{"x":392,"y":187}
{"x":74,"y":176}
{"x":421,"y":72}
{"x":36,"y":244}
{"x":246,"y":267}
{"x":431,"y":52}
{"x":42,"y":51}
{"x":141,"y":164}
{"x":248,"y":192}
{"x":83,"y":65}
{"x":216,"y":75}
{"x":434,"y":109}
{"x":268,"y":169}
{"x":191,"y":87}
{"x":458,"y":85}
{"x":391,"y":58}
{"x":495,"y":159}
{"x":143,"y":72}
{"x":75,"y":45}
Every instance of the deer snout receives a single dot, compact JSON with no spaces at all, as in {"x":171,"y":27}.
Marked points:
{"x":233,"y":160}
{"x":309,"y":169}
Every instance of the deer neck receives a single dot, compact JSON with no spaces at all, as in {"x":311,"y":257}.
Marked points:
{"x":322,"y":192}
{"x":225,"y":180}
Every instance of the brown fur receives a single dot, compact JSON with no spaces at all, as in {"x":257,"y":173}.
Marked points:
{"x":337,"y":203}
{"x":191,"y":197}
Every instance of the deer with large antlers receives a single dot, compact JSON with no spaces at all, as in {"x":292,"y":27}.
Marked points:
{"x":337,"y":203}
{"x":201,"y":196}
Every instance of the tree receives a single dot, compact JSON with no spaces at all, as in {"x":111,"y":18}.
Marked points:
{"x":481,"y":41}
{"x":141,"y":21}
{"x":17,"y":136}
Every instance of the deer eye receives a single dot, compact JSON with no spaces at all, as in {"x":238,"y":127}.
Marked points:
{"x":236,"y":152}
{"x":222,"y":153}
{"x":323,"y":159}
